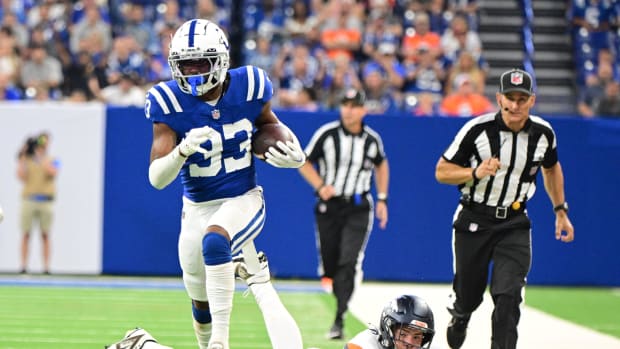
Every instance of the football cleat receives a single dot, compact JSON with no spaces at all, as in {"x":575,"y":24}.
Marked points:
{"x":241,"y":270}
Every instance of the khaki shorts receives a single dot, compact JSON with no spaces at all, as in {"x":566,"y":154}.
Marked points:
{"x":36,"y":211}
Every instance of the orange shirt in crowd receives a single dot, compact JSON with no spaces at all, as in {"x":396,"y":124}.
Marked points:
{"x":337,"y":41}
{"x":465,"y":105}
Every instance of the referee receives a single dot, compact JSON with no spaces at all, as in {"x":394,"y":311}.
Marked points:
{"x":494,"y":159}
{"x":341,"y":157}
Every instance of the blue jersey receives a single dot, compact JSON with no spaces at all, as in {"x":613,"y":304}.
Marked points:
{"x":227,"y":170}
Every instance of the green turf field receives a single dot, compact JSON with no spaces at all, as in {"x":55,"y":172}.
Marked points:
{"x":596,"y":308}
{"x":81,"y":318}
{"x":46,"y":317}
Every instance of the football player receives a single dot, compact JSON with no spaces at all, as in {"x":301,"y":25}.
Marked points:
{"x":406,"y":323}
{"x":202,"y":123}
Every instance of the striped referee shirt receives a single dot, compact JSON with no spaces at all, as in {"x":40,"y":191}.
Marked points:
{"x":345,"y":160}
{"x":521,"y":154}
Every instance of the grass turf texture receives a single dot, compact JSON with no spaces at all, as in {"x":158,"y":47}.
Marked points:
{"x":81,"y":318}
{"x":595,"y":308}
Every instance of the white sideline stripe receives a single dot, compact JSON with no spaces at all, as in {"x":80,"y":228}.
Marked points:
{"x":536,"y":329}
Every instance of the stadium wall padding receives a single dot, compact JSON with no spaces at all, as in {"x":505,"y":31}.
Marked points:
{"x":141,"y":223}
{"x":77,"y":141}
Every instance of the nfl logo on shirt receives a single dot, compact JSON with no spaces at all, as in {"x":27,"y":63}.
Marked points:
{"x":516,"y":78}
{"x":215,"y":114}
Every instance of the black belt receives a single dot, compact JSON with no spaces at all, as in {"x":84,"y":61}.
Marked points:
{"x":357,"y":198}
{"x":499,"y":212}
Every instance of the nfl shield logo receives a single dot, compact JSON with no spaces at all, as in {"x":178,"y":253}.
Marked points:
{"x":516,"y":78}
{"x":215,"y":114}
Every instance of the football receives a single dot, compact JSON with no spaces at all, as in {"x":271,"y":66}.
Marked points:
{"x":267,"y":136}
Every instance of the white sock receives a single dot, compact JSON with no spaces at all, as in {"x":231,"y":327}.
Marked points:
{"x":281,"y":327}
{"x":220,"y":290}
{"x":203,"y":334}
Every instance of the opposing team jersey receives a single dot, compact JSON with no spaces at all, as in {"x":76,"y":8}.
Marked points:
{"x":367,"y":339}
{"x":227,"y":170}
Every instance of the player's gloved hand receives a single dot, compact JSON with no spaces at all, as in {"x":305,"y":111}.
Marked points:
{"x":193,"y":139}
{"x":289,"y":155}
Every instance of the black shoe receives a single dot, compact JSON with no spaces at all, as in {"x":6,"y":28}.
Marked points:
{"x":335,"y":332}
{"x":457,"y":330}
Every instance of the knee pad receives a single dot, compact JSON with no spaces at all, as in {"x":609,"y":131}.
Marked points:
{"x":216,"y":249}
{"x":202,"y":316}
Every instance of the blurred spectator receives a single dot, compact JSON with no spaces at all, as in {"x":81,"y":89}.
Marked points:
{"x":381,"y":28}
{"x":158,"y":68}
{"x":439,"y":16}
{"x":342,"y":34}
{"x":125,"y":92}
{"x":82,"y":7}
{"x":41,"y":73}
{"x":77,"y":75}
{"x":209,"y":9}
{"x":88,"y":27}
{"x":18,"y":8}
{"x":296,"y":69}
{"x":304,"y":100}
{"x":609,"y":105}
{"x":8,"y":92}
{"x":459,"y":37}
{"x":170,"y":17}
{"x":425,"y":104}
{"x":301,"y":22}
{"x":464,"y":102}
{"x":18,"y":30}
{"x":341,"y":74}
{"x":590,"y":96}
{"x":590,"y":20}
{"x":421,"y":35}
{"x":264,"y":56}
{"x":126,"y":58}
{"x":385,"y":60}
{"x":10,"y":62}
{"x":426,"y":74}
{"x":380,"y":98}
{"x":139,"y":29}
{"x":467,"y":7}
{"x":466,"y":65}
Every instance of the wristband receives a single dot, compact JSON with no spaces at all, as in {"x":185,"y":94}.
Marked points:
{"x":473,"y":175}
{"x":318,"y":190}
{"x":562,"y":206}
{"x":382,"y":197}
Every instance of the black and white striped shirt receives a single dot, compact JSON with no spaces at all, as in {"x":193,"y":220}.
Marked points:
{"x":521,"y":154}
{"x":345,"y":160}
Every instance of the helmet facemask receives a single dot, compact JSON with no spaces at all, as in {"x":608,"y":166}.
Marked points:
{"x":198,"y":64}
{"x":404,"y":315}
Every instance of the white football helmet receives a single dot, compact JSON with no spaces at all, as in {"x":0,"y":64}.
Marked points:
{"x":198,"y":56}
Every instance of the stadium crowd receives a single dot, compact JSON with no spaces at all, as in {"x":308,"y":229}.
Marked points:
{"x":415,"y":57}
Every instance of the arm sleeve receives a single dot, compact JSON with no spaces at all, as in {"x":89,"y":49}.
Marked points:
{"x":164,"y":170}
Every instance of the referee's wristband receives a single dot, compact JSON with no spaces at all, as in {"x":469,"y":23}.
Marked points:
{"x":318,"y":190}
{"x":382,"y":197}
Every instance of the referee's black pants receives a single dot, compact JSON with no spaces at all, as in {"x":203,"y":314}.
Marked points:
{"x":478,"y":241}
{"x":343,"y":228}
